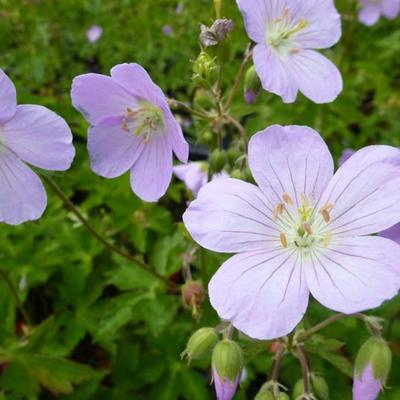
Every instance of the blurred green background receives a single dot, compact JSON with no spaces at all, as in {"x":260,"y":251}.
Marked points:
{"x":103,"y":328}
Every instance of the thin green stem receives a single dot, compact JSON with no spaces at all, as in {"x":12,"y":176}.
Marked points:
{"x":18,"y":302}
{"x":242,"y":131}
{"x":190,"y":110}
{"x":321,"y":325}
{"x":110,"y":246}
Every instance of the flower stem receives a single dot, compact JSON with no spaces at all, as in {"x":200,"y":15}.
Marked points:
{"x":322,"y":325}
{"x":141,"y":264}
{"x":276,"y":366}
{"x":190,"y":110}
{"x":241,"y":130}
{"x":305,"y":369}
{"x":14,"y":292}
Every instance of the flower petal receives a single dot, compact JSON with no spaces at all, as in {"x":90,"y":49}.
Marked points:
{"x":40,"y":137}
{"x":316,"y":76}
{"x":366,"y":386}
{"x":99,"y":98}
{"x":392,"y":233}
{"x":292,"y":160}
{"x":391,"y":8}
{"x":135,"y":80}
{"x":369,"y":14}
{"x":262,"y":293}
{"x":231,"y":216}
{"x":22,"y":195}
{"x":355,"y":274}
{"x":193,"y":176}
{"x":364,"y":192}
{"x":274,"y":73}
{"x":112,"y":151}
{"x":152,"y":172}
{"x":175,"y":135}
{"x":8,"y":98}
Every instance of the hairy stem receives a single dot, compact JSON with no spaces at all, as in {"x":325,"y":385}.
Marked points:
{"x":305,"y":369}
{"x":110,"y":246}
{"x":276,"y":366}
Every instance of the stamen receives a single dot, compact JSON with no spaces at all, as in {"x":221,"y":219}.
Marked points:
{"x":325,"y":212}
{"x":283,"y":240}
{"x":278,"y":211}
{"x":327,"y":239}
{"x":304,"y":200}
{"x":287,"y":199}
{"x":307,"y":228}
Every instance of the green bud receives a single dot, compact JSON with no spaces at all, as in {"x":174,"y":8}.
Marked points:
{"x":204,"y":100}
{"x":233,"y":154}
{"x":218,"y":160}
{"x":320,"y":387}
{"x":227,"y":359}
{"x":282,"y":396}
{"x":298,"y":389}
{"x":200,"y":343}
{"x":264,"y":395}
{"x":205,"y":71}
{"x":252,"y":85}
{"x":236,"y":174}
{"x":374,"y":351}
{"x":206,"y":136}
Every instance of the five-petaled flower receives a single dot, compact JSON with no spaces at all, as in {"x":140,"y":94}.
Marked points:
{"x":371,"y":10}
{"x":132,"y":128}
{"x":34,"y":135}
{"x":286,"y":32}
{"x":301,"y":230}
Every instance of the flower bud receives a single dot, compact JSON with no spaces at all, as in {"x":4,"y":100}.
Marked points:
{"x":204,"y":100}
{"x":218,"y":160}
{"x":298,"y":389}
{"x":200,"y":343}
{"x":227,"y":364}
{"x":372,"y":368}
{"x":252,"y":86}
{"x":205,"y":72}
{"x":282,"y":396}
{"x":264,"y":395}
{"x":193,"y":295}
{"x":320,"y":387}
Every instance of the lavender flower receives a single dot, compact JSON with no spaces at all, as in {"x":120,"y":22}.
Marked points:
{"x":224,"y":388}
{"x":366,"y":386}
{"x":301,"y":230}
{"x":132,"y":128}
{"x":286,"y":32}
{"x":347,"y":153}
{"x":372,"y":10}
{"x":94,"y":33}
{"x":195,"y":175}
{"x":167,"y":30}
{"x":34,"y":135}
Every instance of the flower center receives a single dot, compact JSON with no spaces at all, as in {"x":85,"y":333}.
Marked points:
{"x":303,"y":227}
{"x":281,"y":32}
{"x":146,"y":120}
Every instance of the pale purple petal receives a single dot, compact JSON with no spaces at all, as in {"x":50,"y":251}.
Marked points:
{"x":224,"y":389}
{"x":175,"y":135}
{"x":40,"y":137}
{"x":347,"y":153}
{"x":365,"y":192}
{"x":262,"y":293}
{"x":392,"y":233}
{"x":366,"y":386}
{"x":112,"y":150}
{"x":291,"y":160}
{"x":316,"y":76}
{"x":99,"y":98}
{"x":152,"y":172}
{"x":192,"y":175}
{"x":390,"y":8}
{"x":94,"y":33}
{"x":273,"y":72}
{"x":256,"y":14}
{"x":231,"y":216}
{"x":22,"y":195}
{"x":136,"y":81}
{"x":8,"y":98}
{"x":369,"y":14}
{"x":354,"y":274}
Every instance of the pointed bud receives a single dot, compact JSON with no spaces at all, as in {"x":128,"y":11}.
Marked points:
{"x":227,"y":364}
{"x":298,"y":389}
{"x":204,"y":100}
{"x":193,"y":295}
{"x":264,"y":395}
{"x":252,"y":86}
{"x":218,"y":160}
{"x":320,"y":387}
{"x":205,"y":72}
{"x":372,"y":368}
{"x":283,"y":396}
{"x":200,"y":343}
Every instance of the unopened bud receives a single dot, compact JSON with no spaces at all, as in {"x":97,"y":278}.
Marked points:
{"x":205,"y":72}
{"x":216,"y":33}
{"x":204,"y":100}
{"x":218,"y":160}
{"x":264,"y":395}
{"x":298,"y":389}
{"x":282,"y":396}
{"x":193,"y":295}
{"x":200,"y":343}
{"x":320,"y":387}
{"x":252,"y":86}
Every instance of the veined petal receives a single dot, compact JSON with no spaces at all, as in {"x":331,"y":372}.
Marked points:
{"x":22,"y":195}
{"x":99,"y":98}
{"x":369,"y":14}
{"x":112,"y":150}
{"x":390,"y":8}
{"x":263,"y":293}
{"x":231,"y":216}
{"x":274,"y":73}
{"x":40,"y":137}
{"x":365,"y":192}
{"x":8,"y":98}
{"x":392,"y":233}
{"x":151,"y":174}
{"x":316,"y":76}
{"x":355,"y":274}
{"x":175,"y":135}
{"x":192,"y":175}
{"x":366,"y":386}
{"x":290,"y":160}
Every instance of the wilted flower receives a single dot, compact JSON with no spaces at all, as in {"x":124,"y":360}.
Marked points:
{"x":34,"y":135}
{"x":372,"y":10}
{"x":216,"y":33}
{"x":347,"y":153}
{"x":132,"y":128}
{"x":286,"y":32}
{"x":94,"y":33}
{"x":302,"y":230}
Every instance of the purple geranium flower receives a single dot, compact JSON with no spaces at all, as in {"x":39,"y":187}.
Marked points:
{"x":366,"y":386}
{"x":301,"y":230}
{"x":94,"y":33}
{"x":167,"y":30}
{"x":224,"y":388}
{"x":286,"y":32}
{"x":132,"y":128}
{"x":371,"y":10}
{"x":34,"y":135}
